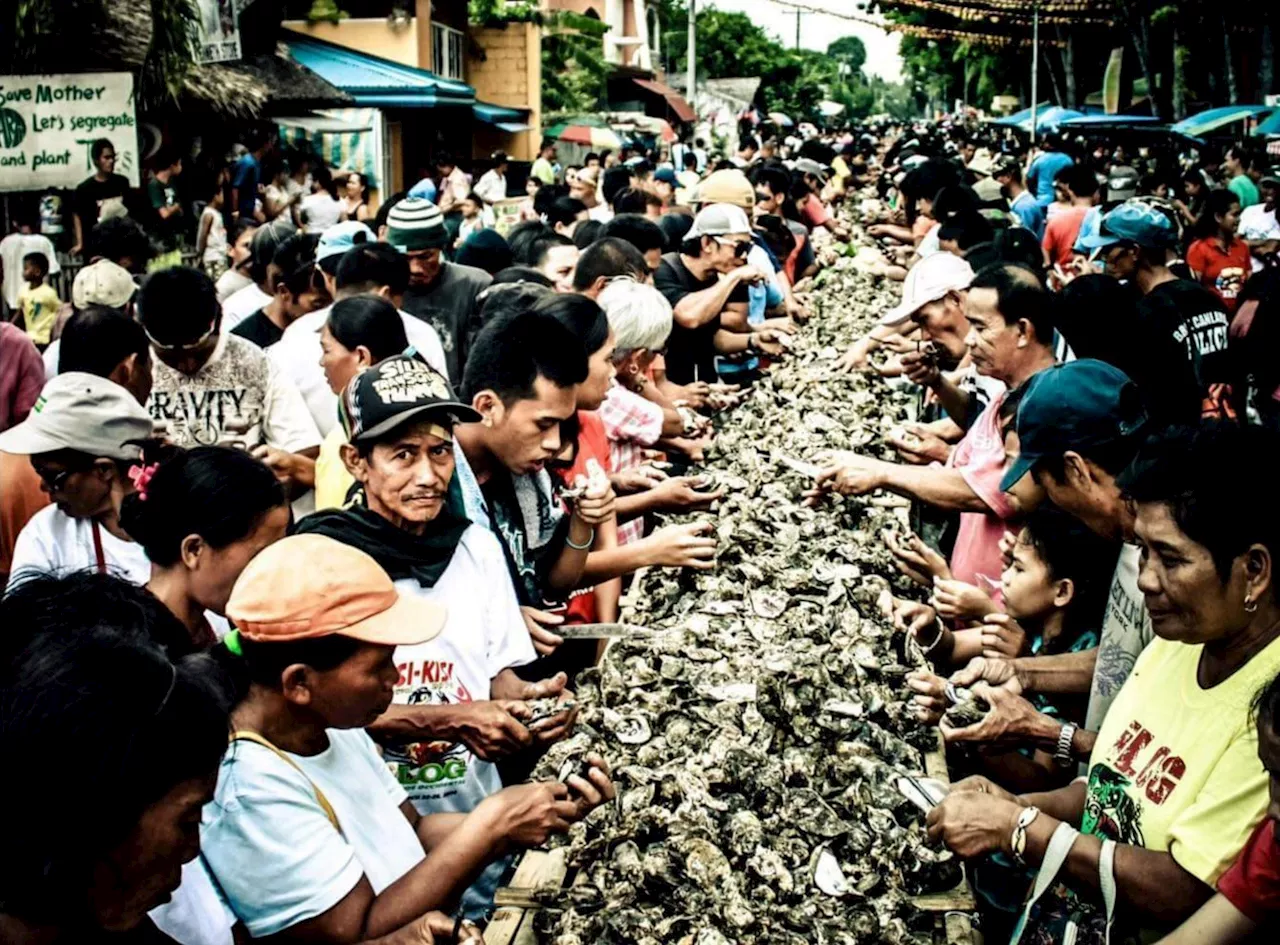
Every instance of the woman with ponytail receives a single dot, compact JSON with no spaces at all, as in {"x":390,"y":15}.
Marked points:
{"x":201,"y":515}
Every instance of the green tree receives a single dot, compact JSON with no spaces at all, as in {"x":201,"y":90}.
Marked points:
{"x":851,"y":51}
{"x":574,"y":70}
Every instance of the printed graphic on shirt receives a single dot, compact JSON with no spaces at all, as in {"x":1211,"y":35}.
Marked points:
{"x":436,"y":768}
{"x":1205,"y":333}
{"x":1229,"y":282}
{"x":1109,"y":811}
{"x":1115,"y":662}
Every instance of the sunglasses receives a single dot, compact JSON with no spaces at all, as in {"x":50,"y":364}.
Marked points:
{"x":740,"y":248}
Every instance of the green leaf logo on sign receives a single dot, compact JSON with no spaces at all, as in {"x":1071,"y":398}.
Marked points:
{"x":12,"y":128}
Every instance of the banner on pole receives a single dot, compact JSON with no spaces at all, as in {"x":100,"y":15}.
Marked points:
{"x":48,"y":124}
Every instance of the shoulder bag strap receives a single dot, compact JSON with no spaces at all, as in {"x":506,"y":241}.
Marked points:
{"x":1055,"y":855}
{"x":1107,"y":882}
{"x":245,"y":735}
{"x":99,"y":556}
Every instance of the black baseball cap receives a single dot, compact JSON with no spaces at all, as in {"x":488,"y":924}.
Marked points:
{"x":1074,"y":406}
{"x":394,"y":391}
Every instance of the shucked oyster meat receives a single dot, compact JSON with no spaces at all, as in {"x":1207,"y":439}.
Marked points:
{"x":756,"y":743}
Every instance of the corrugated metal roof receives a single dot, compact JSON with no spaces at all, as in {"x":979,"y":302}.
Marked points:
{"x":376,"y":82}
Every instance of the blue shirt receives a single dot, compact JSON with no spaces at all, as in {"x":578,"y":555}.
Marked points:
{"x":245,"y":181}
{"x":1042,"y":171}
{"x":1029,"y":212}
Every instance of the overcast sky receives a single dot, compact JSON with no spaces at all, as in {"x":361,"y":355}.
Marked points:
{"x":818,"y":31}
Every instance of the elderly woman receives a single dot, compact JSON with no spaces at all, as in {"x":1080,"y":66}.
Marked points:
{"x":1175,"y":786}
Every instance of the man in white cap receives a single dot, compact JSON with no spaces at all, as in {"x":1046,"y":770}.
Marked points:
{"x":102,"y":283}
{"x":705,"y":278}
{"x":82,"y":439}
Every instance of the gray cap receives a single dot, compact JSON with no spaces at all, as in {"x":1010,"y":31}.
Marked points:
{"x":81,"y":412}
{"x":810,"y":166}
{"x":719,"y":219}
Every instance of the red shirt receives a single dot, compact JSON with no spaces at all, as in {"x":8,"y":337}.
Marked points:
{"x":815,"y":212}
{"x":593,"y":443}
{"x":1222,"y":273}
{"x":1252,"y":884}
{"x":1061,"y":233}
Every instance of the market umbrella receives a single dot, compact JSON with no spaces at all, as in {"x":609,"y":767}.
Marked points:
{"x":781,"y":120}
{"x":633,"y":122}
{"x":1207,"y":122}
{"x":585,"y":130}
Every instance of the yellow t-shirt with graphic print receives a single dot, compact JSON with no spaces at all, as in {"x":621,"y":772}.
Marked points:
{"x":1176,"y":767}
{"x":39,"y":308}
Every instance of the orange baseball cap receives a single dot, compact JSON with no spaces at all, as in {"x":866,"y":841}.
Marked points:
{"x":308,"y":586}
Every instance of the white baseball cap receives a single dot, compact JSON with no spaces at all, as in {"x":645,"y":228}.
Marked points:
{"x":929,"y":280}
{"x":719,"y":219}
{"x":81,"y":412}
{"x":102,"y":283}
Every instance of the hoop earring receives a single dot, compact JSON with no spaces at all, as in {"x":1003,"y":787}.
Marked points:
{"x":1250,"y":605}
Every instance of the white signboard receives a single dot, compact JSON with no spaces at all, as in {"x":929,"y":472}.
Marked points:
{"x":219,"y":30}
{"x":48,"y":124}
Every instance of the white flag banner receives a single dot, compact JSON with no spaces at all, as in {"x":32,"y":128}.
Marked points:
{"x":219,"y":30}
{"x":48,"y":124}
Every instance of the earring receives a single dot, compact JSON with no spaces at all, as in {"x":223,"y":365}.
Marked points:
{"x":487,"y":421}
{"x":1250,"y":605}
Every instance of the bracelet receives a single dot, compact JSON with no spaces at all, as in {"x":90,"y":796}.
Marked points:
{"x":1062,"y":756}
{"x":926,"y":650}
{"x":1018,"y":840}
{"x":587,"y":547}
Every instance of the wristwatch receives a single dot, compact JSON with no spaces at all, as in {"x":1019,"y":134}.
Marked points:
{"x":1018,"y":841}
{"x":1062,"y":755}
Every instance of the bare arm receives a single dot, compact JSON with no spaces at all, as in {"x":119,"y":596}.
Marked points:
{"x":938,"y":486}
{"x":1062,"y":672}
{"x":1217,"y":922}
{"x":698,"y":308}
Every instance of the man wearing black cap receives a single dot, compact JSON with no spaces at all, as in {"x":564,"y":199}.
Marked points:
{"x":459,"y":704}
{"x":441,"y":293}
{"x":1079,"y":425}
{"x":1179,"y":352}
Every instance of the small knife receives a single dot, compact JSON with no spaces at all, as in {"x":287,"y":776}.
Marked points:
{"x":600,"y":631}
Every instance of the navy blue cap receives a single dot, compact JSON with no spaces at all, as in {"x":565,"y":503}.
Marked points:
{"x":1133,"y":223}
{"x":1074,"y":406}
{"x":665,"y":174}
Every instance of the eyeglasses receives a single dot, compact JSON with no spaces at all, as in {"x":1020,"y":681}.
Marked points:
{"x":740,"y":247}
{"x":59,"y":479}
{"x":186,"y":346}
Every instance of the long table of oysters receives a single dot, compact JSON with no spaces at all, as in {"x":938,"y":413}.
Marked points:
{"x":758,"y":731}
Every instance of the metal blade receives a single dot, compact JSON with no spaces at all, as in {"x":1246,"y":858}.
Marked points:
{"x":797,"y":465}
{"x":601,"y":631}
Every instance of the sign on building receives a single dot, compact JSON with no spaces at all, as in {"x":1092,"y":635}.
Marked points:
{"x":219,"y":30}
{"x":48,"y":124}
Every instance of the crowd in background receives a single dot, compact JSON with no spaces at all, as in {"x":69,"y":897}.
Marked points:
{"x":327,"y":477}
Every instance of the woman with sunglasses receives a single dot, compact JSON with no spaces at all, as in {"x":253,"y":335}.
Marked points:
{"x":86,"y":444}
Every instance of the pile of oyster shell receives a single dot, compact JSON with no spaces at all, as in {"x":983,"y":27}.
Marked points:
{"x":757,"y":733}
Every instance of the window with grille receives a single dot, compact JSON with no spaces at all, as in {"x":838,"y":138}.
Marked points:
{"x":446,"y":51}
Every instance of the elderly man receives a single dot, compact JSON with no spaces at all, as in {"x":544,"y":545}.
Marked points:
{"x":1010,"y":338}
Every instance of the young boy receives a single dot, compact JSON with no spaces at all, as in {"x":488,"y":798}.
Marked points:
{"x":1054,"y":589}
{"x":37,"y":302}
{"x":472,"y":208}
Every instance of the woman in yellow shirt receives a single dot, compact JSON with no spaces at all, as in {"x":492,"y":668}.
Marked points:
{"x":360,"y":332}
{"x":1175,"y":787}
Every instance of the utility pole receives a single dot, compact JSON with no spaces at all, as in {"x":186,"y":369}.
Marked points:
{"x":797,"y":30}
{"x":691,"y":53}
{"x":1035,"y":66}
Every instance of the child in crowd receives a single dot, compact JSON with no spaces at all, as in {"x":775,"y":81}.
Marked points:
{"x":531,"y":188}
{"x":472,"y":208}
{"x":1054,"y":590}
{"x":211,"y":237}
{"x":37,"y":301}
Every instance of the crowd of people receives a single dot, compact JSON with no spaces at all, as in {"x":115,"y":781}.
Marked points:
{"x":299,"y":494}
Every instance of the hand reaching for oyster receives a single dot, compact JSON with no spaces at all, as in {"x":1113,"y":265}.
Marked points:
{"x":1002,"y":637}
{"x":971,"y":823}
{"x":956,"y":600}
{"x":915,"y":559}
{"x":436,"y":928}
{"x":919,"y":446}
{"x":687,"y":545}
{"x":848,"y":474}
{"x":493,"y":729}
{"x":684,"y":494}
{"x":991,"y":670}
